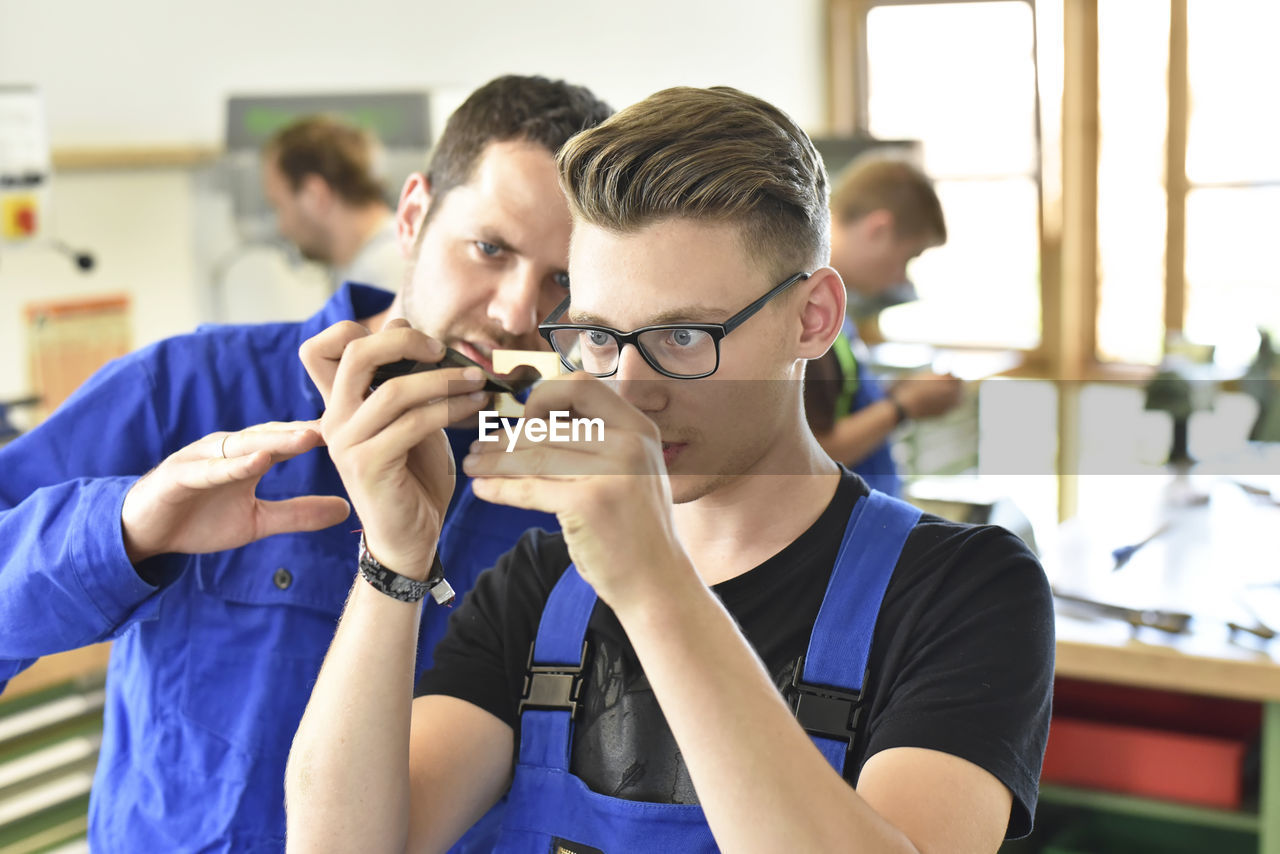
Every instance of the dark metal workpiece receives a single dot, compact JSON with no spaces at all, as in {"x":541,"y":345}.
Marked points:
{"x":514,"y":383}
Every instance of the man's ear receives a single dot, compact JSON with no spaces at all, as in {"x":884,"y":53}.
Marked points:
{"x":411,"y":213}
{"x":821,"y":314}
{"x":879,"y":227}
{"x":314,"y":194}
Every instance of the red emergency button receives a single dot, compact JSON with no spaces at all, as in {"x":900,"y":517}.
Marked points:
{"x":19,"y":216}
{"x":25,"y":219}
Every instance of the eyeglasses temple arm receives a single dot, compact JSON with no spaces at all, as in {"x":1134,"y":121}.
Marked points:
{"x":737,"y":320}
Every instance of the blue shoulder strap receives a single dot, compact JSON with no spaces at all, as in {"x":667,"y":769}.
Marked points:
{"x":546,"y":733}
{"x":841,"y":640}
{"x":839,"y":645}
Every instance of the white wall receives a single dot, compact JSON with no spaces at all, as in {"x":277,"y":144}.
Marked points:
{"x":157,"y":73}
{"x":137,"y":224}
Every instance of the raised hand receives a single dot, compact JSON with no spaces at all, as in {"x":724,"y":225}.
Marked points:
{"x":389,"y":445}
{"x":201,"y":498}
{"x":925,"y":395}
{"x":612,"y":497}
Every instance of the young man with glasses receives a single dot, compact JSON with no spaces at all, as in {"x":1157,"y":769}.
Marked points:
{"x":733,"y":644}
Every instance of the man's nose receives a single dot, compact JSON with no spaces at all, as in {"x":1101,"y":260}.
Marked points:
{"x":515,"y":303}
{"x":638,"y":383}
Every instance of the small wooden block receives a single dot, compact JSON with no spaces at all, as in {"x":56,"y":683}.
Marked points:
{"x":505,"y":361}
{"x":546,"y":364}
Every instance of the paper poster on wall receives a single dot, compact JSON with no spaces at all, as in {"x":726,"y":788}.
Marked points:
{"x":24,"y":164}
{"x":67,"y":340}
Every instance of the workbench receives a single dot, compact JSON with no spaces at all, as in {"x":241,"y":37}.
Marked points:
{"x":1207,"y":556}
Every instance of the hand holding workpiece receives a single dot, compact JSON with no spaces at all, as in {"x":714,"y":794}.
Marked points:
{"x":609,"y":490}
{"x":201,"y":498}
{"x":389,"y":445}
{"x":926,"y":395}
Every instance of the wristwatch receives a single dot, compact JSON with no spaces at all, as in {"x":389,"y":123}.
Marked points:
{"x":898,"y":408}
{"x":401,"y":587}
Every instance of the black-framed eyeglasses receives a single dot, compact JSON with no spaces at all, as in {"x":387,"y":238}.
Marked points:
{"x":684,"y":351}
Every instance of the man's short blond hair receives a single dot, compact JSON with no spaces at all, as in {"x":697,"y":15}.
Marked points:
{"x":716,"y":155}
{"x":876,"y":182}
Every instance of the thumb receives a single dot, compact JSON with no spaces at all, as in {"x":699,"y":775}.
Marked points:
{"x":306,"y":513}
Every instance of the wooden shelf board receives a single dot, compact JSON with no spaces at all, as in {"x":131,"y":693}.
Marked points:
{"x":133,"y":157}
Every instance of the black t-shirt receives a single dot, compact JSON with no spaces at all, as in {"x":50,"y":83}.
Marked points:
{"x":961,"y":660}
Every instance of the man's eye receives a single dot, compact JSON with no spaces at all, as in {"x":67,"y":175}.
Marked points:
{"x":687,"y":338}
{"x":490,"y":249}
{"x":562,"y":279}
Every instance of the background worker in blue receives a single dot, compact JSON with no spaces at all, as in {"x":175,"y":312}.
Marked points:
{"x":219,"y":634}
{"x":885,"y":212}
{"x":703,"y":532}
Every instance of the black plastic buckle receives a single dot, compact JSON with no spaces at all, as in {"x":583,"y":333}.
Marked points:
{"x":552,"y":686}
{"x":824,"y":711}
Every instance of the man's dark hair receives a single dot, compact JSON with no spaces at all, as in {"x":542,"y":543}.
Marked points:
{"x":531,"y":109}
{"x":345,"y":156}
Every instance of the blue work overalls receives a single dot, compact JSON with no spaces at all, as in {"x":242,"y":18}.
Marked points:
{"x":549,"y":808}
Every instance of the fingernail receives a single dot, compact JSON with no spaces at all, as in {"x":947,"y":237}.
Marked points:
{"x":468,"y":462}
{"x":478,"y":396}
{"x":473,"y":374}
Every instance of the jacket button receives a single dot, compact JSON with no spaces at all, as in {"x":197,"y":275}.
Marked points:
{"x":282,"y":578}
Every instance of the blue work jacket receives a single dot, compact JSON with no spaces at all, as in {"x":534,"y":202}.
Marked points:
{"x":210,"y":670}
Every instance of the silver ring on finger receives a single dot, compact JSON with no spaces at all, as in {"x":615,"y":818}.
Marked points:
{"x":222,"y":446}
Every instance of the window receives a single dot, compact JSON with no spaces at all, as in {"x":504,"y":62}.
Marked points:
{"x":1222,"y":270}
{"x":1233,"y":174}
{"x":961,"y":78}
{"x":1157,"y":150}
